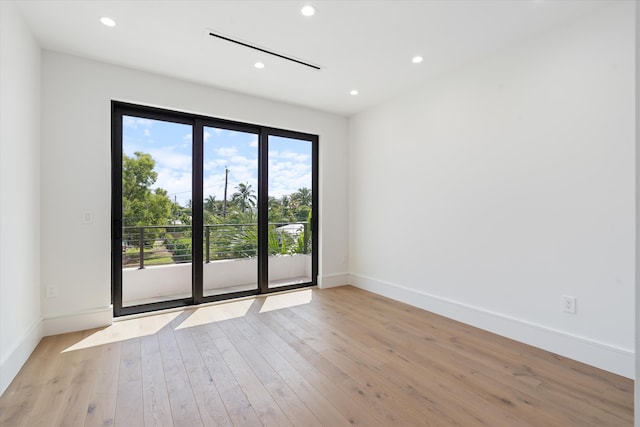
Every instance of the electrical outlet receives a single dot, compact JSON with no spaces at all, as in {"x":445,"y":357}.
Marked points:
{"x":569,"y":304}
{"x":87,"y":217}
{"x":52,"y":291}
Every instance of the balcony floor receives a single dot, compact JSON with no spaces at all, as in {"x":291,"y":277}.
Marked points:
{"x":219,"y":291}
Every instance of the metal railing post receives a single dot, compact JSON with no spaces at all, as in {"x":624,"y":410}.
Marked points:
{"x":141,"y":248}
{"x":207,"y":233}
{"x":306,"y":239}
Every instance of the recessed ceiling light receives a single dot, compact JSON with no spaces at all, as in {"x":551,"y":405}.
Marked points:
{"x":259,"y":65}
{"x":417,"y":59}
{"x":308,"y":10}
{"x":354,"y":92}
{"x":108,"y":21}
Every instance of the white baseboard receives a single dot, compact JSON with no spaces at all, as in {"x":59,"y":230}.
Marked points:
{"x":333,"y":280}
{"x":71,"y":322}
{"x":604,"y":356}
{"x":13,"y":361}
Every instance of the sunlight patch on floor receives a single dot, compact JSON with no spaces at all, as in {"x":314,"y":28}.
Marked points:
{"x":217,"y":313}
{"x":289,"y":299}
{"x":126,"y":329}
{"x":149,"y":325}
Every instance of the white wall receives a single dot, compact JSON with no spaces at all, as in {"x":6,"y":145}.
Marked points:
{"x":162,"y":282}
{"x":490,"y":193}
{"x":76,"y":170}
{"x":20,"y":326}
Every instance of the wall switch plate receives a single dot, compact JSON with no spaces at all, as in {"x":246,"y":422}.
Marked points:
{"x":569,"y":304}
{"x":52,"y":291}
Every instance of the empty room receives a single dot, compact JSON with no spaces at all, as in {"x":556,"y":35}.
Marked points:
{"x":322,"y":213}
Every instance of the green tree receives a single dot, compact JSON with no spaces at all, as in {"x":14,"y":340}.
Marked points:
{"x":301,"y":200}
{"x":286,"y":210}
{"x":302,"y":197}
{"x":275,"y":209}
{"x":210,"y":204}
{"x":181,"y":215}
{"x":142,"y":205}
{"x":244,"y":197}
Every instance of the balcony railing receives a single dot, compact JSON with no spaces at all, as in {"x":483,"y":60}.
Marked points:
{"x":171,"y":244}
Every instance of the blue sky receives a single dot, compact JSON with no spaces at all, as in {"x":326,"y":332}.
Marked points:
{"x":170,"y":146}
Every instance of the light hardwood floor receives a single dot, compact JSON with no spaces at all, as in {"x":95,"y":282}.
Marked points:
{"x":331,"y":357}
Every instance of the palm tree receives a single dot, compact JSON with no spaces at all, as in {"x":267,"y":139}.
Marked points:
{"x":302,"y":197}
{"x":285,"y":202}
{"x":273,"y":204}
{"x":210,"y":204}
{"x":244,"y":197}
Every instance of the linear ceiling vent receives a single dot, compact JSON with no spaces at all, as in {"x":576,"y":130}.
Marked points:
{"x":250,"y":46}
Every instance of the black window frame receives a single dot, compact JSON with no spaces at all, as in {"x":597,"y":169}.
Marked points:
{"x":198,"y":122}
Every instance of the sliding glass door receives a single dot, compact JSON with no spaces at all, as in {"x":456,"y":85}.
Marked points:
{"x":230,"y":230}
{"x":206,"y":209}
{"x":155,"y":189}
{"x":290,"y":211}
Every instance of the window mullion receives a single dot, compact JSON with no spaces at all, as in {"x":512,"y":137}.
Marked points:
{"x":197,"y":221}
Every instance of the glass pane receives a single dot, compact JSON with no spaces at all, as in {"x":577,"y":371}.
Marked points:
{"x":156,"y":202}
{"x":289,"y":204}
{"x":230,"y":191}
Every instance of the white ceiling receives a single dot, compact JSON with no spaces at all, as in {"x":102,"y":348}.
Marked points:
{"x":363,"y":45}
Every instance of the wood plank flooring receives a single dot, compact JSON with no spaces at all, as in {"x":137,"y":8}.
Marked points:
{"x":313,"y":357}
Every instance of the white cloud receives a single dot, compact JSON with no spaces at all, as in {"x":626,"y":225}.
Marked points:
{"x":289,"y":155}
{"x":211,"y":165}
{"x":226,"y":151}
{"x":134,"y":122}
{"x":286,"y":177}
{"x":214,"y":185}
{"x":243,"y":161}
{"x":168,"y":157}
{"x":177,"y":184}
